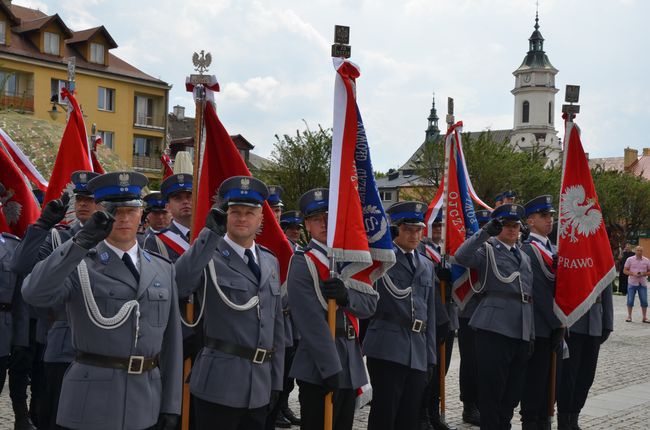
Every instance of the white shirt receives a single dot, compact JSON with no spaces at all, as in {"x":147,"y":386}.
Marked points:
{"x":181,"y":227}
{"x":541,"y":238}
{"x":508,"y":247}
{"x":240,"y":250}
{"x":133,"y":253}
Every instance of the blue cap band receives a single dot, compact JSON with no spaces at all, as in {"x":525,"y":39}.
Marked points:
{"x":131,"y":190}
{"x":239,"y":194}
{"x":396,"y":216}
{"x":291,"y":220}
{"x":316,"y":205}
{"x":273,"y":199}
{"x":536,"y":208}
{"x":184,"y":186}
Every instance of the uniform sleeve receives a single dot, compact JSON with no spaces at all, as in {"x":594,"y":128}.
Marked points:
{"x":189,"y":267}
{"x":279,"y":343}
{"x":362,"y":299}
{"x":308,"y":316}
{"x":608,"y":309}
{"x":20,"y":317}
{"x":49,"y":283}
{"x":27,"y":252}
{"x":171,"y":357}
{"x":469,"y":253}
{"x":432,"y":309}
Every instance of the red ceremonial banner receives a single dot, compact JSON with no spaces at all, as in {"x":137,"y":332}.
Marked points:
{"x":18,"y":206}
{"x":585,"y":263}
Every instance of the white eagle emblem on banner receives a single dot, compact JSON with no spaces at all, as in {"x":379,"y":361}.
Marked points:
{"x":578,"y":214}
{"x":11,"y":209}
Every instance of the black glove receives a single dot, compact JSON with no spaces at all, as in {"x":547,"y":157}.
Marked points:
{"x":442,"y":332}
{"x":494,"y":227}
{"x":557,"y":336}
{"x":97,"y":228}
{"x":53,"y":212}
{"x":525,"y":231}
{"x":605,"y":336}
{"x":331,"y":383}
{"x":167,"y":422}
{"x":431,"y":373}
{"x":443,"y":274}
{"x":275,"y":396}
{"x":334,"y":288}
{"x":216,"y":221}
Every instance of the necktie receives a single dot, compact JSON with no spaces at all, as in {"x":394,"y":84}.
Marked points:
{"x":252,"y":264}
{"x":409,"y":257}
{"x":515,"y":251}
{"x":129,"y":264}
{"x":548,"y":245}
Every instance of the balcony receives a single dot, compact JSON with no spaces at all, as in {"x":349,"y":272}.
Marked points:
{"x":143,"y":162}
{"x":144,"y":120}
{"x":18,"y":102}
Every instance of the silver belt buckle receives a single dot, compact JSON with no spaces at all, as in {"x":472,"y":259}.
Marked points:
{"x":260,"y":355}
{"x":525,"y":298}
{"x":351,"y":334}
{"x":136,"y":364}
{"x":417,"y":326}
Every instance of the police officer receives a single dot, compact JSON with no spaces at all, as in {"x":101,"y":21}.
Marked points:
{"x":446,"y":322}
{"x":400,"y":342}
{"x":275,"y":200}
{"x":157,"y":215}
{"x":503,"y":319}
{"x":237,"y":376}
{"x":548,"y":329}
{"x":40,"y":240}
{"x":467,"y":374}
{"x":323,"y":364}
{"x":291,"y":223}
{"x":578,"y":371}
{"x":14,"y":335}
{"x":120,"y":301}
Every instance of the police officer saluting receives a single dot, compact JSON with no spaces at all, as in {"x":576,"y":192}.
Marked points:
{"x":503,"y":319}
{"x":548,"y":329}
{"x":120,"y":301}
{"x":323,"y":364}
{"x":237,"y":376}
{"x":400,"y":342}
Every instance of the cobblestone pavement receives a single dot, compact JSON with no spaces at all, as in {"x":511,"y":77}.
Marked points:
{"x":619,"y":397}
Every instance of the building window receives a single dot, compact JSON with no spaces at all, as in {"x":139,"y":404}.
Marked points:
{"x":386,"y":196}
{"x":143,"y":110}
{"x":3,"y":32}
{"x":108,"y":138}
{"x":106,"y":99}
{"x":51,"y":43}
{"x":550,"y":113}
{"x":145,"y":146}
{"x":56,"y":85}
{"x":9,"y":83}
{"x":97,"y":53}
{"x":525,"y":112}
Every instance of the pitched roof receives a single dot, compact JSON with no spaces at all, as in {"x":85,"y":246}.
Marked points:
{"x":7,"y":11}
{"x":607,"y":163}
{"x":38,"y":23}
{"x":85,"y":35}
{"x":31,"y":19}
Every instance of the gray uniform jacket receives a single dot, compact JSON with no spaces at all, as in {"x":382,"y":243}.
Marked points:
{"x":386,"y":338}
{"x":543,"y":291}
{"x":14,"y":322}
{"x":222,"y":378}
{"x":318,"y":356}
{"x":37,"y":246}
{"x":600,"y":317}
{"x":501,"y":310}
{"x":104,"y":398}
{"x":447,"y":312}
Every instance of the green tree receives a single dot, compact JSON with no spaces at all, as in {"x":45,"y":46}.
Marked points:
{"x":300,"y":162}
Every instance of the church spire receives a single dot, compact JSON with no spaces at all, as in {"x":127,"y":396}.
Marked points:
{"x":432,"y":131}
{"x":536,"y":40}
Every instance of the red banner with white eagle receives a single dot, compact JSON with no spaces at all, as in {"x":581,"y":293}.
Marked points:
{"x":18,"y":206}
{"x":585,"y":264}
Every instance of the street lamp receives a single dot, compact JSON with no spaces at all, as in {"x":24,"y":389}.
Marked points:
{"x":54,"y":112}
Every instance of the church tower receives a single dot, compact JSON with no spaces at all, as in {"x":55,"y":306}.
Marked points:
{"x":432,"y":131}
{"x":534,"y":122}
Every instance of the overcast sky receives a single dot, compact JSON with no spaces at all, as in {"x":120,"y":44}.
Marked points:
{"x":272,"y":59}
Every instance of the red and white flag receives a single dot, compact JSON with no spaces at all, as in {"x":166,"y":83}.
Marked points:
{"x":23,"y":163}
{"x":18,"y":206}
{"x":74,"y":151}
{"x":346,"y":233}
{"x":585,"y":263}
{"x":97,"y":166}
{"x":221,"y":160}
{"x":168,"y":170}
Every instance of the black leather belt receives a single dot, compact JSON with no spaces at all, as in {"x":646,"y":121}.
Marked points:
{"x":135,"y":364}
{"x":524,"y":298}
{"x":347,"y":332}
{"x":257,"y":356}
{"x":417,"y":326}
{"x":5,"y":307}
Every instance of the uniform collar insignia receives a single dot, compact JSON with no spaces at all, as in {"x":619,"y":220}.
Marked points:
{"x":225,"y":253}
{"x":147,"y":256}
{"x":104,"y":257}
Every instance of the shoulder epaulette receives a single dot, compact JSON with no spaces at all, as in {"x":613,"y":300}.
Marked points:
{"x":264,"y":248}
{"x":10,"y":236}
{"x":155,"y":254}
